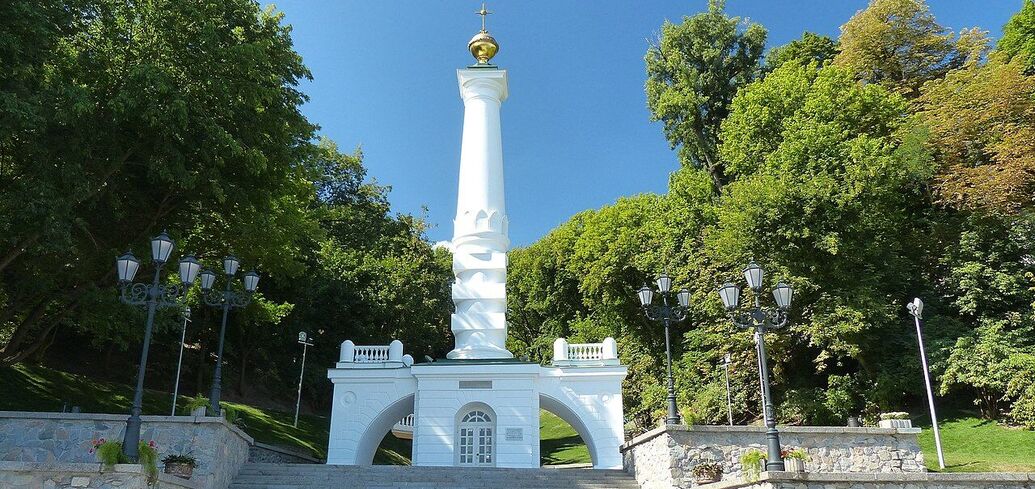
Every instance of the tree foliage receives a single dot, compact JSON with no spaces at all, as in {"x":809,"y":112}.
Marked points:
{"x":898,"y":170}
{"x":899,"y":44}
{"x":982,"y":124}
{"x":810,"y":47}
{"x":1018,"y":40}
{"x":693,"y":72}
{"x":120,"y":119}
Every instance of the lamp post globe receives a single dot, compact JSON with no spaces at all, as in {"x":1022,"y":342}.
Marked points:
{"x":127,"y":266}
{"x":161,"y":247}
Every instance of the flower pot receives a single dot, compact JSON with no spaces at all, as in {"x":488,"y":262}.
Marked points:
{"x":853,"y":422}
{"x":706,"y":479}
{"x":199,"y":411}
{"x":794,"y":465}
{"x":181,"y":470}
{"x":895,"y":423}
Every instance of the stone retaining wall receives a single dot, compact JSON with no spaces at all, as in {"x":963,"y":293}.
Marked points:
{"x":263,"y":453}
{"x":884,"y":480}
{"x":61,"y":438}
{"x":664,"y":457}
{"x":27,"y":475}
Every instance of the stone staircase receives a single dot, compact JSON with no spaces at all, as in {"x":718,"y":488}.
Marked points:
{"x":298,"y":476}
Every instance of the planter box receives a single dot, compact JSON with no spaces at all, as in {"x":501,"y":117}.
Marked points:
{"x":895,"y":423}
{"x":198,"y":411}
{"x":183,"y":471}
{"x":794,"y":465}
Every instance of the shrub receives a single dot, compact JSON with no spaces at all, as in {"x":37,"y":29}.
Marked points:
{"x":181,"y":459}
{"x":894,"y":415}
{"x":798,"y":453}
{"x":751,"y":461}
{"x":196,"y":402}
{"x":109,"y":453}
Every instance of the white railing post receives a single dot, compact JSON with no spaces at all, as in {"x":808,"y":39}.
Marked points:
{"x":395,"y":351}
{"x":348,"y":351}
{"x":610,"y":348}
{"x":560,"y":350}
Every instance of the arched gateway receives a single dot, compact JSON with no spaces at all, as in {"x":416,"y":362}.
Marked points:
{"x":373,"y":391}
{"x":479,"y":406}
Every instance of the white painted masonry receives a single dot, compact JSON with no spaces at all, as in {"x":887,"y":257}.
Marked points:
{"x":376,"y":386}
{"x":480,"y":228}
{"x":368,"y":402}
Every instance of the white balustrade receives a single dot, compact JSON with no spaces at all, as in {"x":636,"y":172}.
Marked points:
{"x":353,"y":353}
{"x":585,"y":354}
{"x":404,"y":428}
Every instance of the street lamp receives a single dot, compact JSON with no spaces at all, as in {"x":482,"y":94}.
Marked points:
{"x":179,"y":363}
{"x":761,"y":319}
{"x":916,"y":309}
{"x":227,"y":299}
{"x":152,"y":296}
{"x":667,"y":314}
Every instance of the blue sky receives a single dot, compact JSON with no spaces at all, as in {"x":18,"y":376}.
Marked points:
{"x":576,"y":131}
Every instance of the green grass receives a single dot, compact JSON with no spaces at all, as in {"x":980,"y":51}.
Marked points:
{"x":971,"y":444}
{"x":558,"y":442}
{"x":36,"y":388}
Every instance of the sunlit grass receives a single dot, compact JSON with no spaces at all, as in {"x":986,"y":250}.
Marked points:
{"x":559,"y":443}
{"x":971,"y":444}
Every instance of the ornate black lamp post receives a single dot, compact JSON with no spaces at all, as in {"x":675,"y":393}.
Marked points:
{"x":761,"y":319}
{"x":227,"y":299}
{"x":152,"y":296}
{"x":667,"y":314}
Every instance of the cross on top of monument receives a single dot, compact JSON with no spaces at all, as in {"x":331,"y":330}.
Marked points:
{"x":483,"y":13}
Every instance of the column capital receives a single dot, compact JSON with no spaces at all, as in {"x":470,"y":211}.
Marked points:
{"x":482,"y":82}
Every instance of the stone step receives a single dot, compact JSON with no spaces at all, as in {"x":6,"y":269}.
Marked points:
{"x":297,"y":476}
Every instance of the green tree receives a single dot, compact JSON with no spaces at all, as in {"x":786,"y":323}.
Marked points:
{"x":147,"y":115}
{"x":825,"y":172}
{"x":982,"y":123}
{"x":811,"y":47}
{"x":1019,"y":37}
{"x":693,"y":72}
{"x":899,"y":44}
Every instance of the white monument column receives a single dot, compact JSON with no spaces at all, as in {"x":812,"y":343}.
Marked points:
{"x":480,"y":229}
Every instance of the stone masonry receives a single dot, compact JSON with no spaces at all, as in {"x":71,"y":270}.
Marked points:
{"x":883,"y":480}
{"x":56,"y":438}
{"x":665,"y":456}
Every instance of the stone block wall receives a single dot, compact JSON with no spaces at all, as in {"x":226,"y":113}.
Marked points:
{"x":263,"y":453}
{"x":883,"y":480}
{"x":55,"y":438}
{"x":27,"y":475}
{"x":665,"y":456}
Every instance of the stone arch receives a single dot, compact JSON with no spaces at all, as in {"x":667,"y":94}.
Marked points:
{"x":379,"y":426}
{"x":563,"y":411}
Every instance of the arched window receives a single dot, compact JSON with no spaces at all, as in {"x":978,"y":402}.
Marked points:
{"x":476,"y":438}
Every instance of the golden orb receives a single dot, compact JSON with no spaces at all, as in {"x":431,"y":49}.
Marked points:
{"x":483,"y":47}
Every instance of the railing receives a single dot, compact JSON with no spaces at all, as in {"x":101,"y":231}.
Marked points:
{"x":404,"y":428}
{"x":585,"y":354}
{"x":371,"y":354}
{"x":585,"y":351}
{"x":391,"y":353}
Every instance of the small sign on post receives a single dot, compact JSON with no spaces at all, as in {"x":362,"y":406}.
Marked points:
{"x":303,"y":339}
